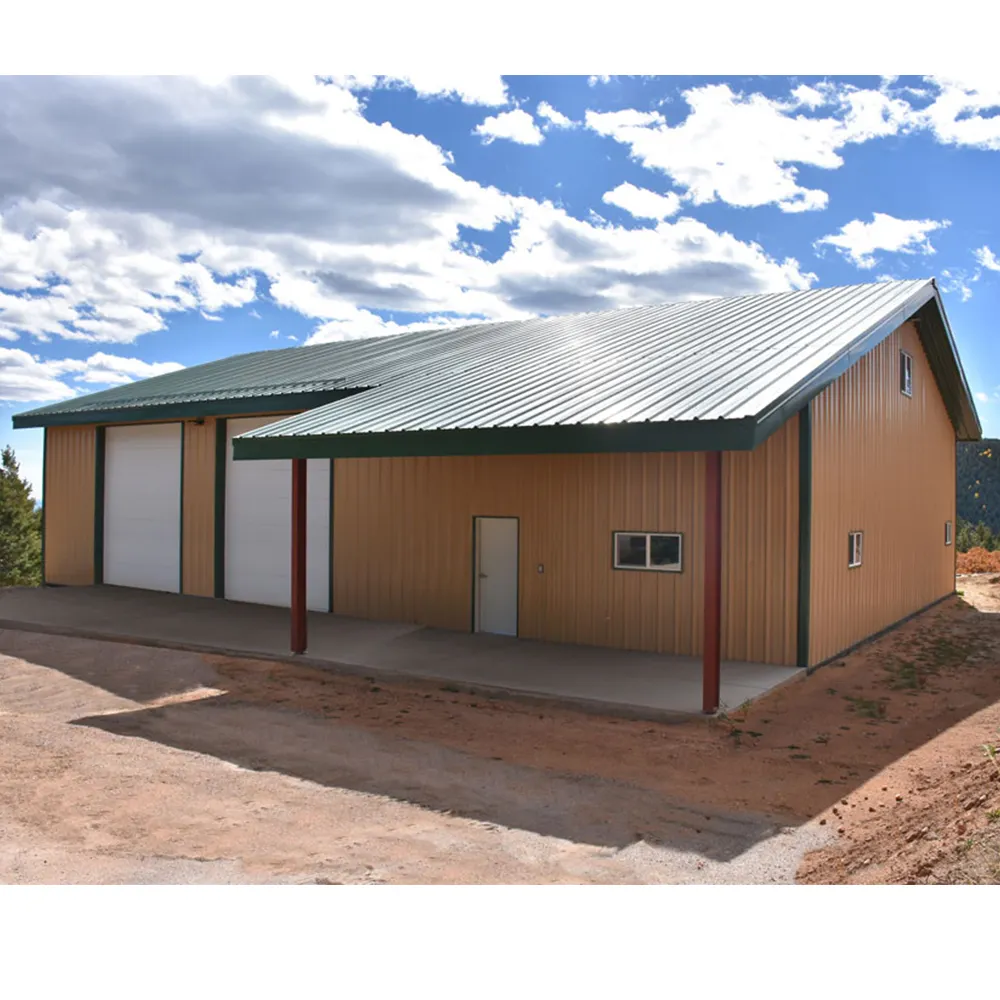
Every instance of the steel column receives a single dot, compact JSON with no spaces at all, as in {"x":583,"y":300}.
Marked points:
{"x":712,"y":646}
{"x":298,"y":555}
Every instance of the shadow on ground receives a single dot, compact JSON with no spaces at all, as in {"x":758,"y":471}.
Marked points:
{"x":626,"y":780}
{"x":138,"y":673}
{"x":578,"y":808}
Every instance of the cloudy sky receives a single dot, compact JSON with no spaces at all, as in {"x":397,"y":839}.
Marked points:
{"x":148,"y":224}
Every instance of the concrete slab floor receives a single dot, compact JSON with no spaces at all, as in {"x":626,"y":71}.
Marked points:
{"x":608,"y":680}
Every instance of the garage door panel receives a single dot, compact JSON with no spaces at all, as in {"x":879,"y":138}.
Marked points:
{"x":259,"y":527}
{"x":142,"y":506}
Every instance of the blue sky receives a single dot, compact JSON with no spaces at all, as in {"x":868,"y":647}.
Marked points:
{"x":147,"y":224}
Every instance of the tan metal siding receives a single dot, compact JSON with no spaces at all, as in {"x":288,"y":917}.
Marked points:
{"x":69,"y":501}
{"x":760,"y":560}
{"x":403,"y":544}
{"x":198,"y":574}
{"x":884,"y":464}
{"x":69,"y":505}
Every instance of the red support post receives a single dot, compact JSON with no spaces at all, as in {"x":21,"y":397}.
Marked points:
{"x":298,"y":555}
{"x":712,"y":647}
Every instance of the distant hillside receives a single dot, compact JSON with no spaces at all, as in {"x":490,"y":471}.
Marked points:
{"x":979,"y":482}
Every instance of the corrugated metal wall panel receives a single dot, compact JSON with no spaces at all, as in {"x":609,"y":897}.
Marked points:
{"x":199,"y":508}
{"x":884,"y":464}
{"x":403,"y":544}
{"x":69,"y":505}
{"x":760,"y":550}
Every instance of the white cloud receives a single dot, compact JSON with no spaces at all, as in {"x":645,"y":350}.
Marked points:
{"x":23,"y":377}
{"x":274,"y":334}
{"x":483,"y":88}
{"x":858,"y":241}
{"x":960,"y":281}
{"x":593,"y":81}
{"x":956,"y":115}
{"x":987,"y":258}
{"x":26,"y":378}
{"x":983,"y":397}
{"x":210,"y":317}
{"x":111,"y":369}
{"x":555,"y":119}
{"x":85,"y":275}
{"x":643,"y":203}
{"x":809,"y":97}
{"x":742,"y":149}
{"x":129,"y":200}
{"x":166,"y":218}
{"x":558,"y":264}
{"x":254,"y":314}
{"x":517,"y":126}
{"x":366,"y":324}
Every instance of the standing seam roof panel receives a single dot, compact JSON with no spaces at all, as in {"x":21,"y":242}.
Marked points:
{"x":695,"y":361}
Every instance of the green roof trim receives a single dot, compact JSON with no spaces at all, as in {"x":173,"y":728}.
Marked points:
{"x":693,"y":435}
{"x":189,"y":410}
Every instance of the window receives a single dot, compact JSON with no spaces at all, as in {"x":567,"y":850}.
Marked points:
{"x":854,"y":549}
{"x":645,"y":550}
{"x":947,"y":532}
{"x":905,"y":374}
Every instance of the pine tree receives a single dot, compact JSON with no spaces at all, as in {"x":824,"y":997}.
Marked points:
{"x":20,"y":528}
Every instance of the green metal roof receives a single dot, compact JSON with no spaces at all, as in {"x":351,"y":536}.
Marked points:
{"x":262,"y":381}
{"x":707,"y":374}
{"x":710,"y":374}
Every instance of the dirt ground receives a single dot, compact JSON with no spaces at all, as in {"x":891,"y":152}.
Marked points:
{"x":933,"y":816}
{"x":128,"y":764}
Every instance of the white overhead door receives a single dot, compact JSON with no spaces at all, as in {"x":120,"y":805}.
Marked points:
{"x":142,"y":506}
{"x":259,"y":526}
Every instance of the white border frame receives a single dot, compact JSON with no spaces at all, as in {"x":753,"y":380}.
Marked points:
{"x":858,"y":550}
{"x":906,"y":364}
{"x":679,"y":568}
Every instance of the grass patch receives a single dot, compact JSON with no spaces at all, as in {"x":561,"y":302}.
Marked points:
{"x":905,"y":674}
{"x":867,"y":707}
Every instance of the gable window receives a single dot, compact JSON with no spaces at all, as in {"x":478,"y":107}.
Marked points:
{"x":947,"y":532}
{"x":647,"y":550}
{"x":854,"y":540}
{"x":905,"y":373}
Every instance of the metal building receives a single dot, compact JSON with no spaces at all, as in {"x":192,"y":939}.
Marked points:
{"x":768,"y":478}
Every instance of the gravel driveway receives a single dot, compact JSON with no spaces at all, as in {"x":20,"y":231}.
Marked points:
{"x":129,"y":764}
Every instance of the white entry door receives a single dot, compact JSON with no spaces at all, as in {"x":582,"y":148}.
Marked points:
{"x":259,"y":526}
{"x":142,"y":506}
{"x":496,"y":575}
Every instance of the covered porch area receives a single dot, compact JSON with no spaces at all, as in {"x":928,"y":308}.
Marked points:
{"x":591,"y":678}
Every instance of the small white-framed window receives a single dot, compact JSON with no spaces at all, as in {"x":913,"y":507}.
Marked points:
{"x":947,"y":532}
{"x":905,"y":373}
{"x":854,"y":549}
{"x":648,"y":550}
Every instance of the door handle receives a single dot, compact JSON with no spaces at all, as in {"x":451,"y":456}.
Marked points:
{"x":483,"y":576}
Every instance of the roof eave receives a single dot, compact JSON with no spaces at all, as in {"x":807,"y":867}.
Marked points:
{"x":688,"y":435}
{"x":188,"y":410}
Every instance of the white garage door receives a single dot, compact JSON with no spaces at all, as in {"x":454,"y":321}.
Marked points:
{"x":259,"y":527}
{"x":142,"y":506}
